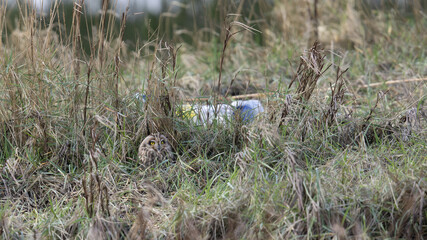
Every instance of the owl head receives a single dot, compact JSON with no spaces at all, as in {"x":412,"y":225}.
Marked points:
{"x":156,"y":141}
{"x":155,"y":148}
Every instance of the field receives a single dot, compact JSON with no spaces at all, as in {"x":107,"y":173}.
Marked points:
{"x":340,"y":151}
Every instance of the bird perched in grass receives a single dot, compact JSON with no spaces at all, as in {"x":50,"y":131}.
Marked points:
{"x":155,"y":148}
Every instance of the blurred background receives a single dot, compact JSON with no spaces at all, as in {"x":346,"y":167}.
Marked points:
{"x":192,"y":21}
{"x":158,"y":6}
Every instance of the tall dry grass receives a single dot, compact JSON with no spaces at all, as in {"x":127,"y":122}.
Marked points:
{"x":330,"y":158}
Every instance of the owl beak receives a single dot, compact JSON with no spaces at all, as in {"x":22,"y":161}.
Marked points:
{"x":158,"y":147}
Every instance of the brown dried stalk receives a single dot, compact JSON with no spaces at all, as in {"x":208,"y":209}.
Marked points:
{"x":337,"y":97}
{"x":314,"y":19}
{"x":117,"y":59}
{"x":380,"y":95}
{"x":310,"y":69}
{"x":76,"y":40}
{"x":228,"y":36}
{"x":101,"y":34}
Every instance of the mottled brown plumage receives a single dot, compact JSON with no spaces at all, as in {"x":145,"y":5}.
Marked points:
{"x":154,"y":149}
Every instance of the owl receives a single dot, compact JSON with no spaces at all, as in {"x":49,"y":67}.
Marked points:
{"x":154,"y":149}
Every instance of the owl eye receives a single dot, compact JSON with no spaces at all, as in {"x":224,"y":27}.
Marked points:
{"x":152,"y":143}
{"x":162,"y":142}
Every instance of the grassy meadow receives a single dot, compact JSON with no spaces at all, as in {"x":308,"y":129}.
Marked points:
{"x":340,"y":151}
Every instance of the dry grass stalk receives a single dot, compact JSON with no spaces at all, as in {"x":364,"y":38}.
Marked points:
{"x":339,"y":230}
{"x":103,"y":229}
{"x":229,"y":34}
{"x":117,"y":58}
{"x":411,"y":209}
{"x":86,"y":101}
{"x":4,"y":226}
{"x":76,"y":41}
{"x":116,"y":77}
{"x":101,"y":46}
{"x":95,"y":191}
{"x":186,"y":229}
{"x":97,"y":230}
{"x":96,"y":196}
{"x":297,"y":182}
{"x":32,"y":20}
{"x":101,"y":34}
{"x":14,"y":90}
{"x":139,"y":227}
{"x":314,"y":20}
{"x":286,"y":108}
{"x":394,"y":82}
{"x":337,"y":97}
{"x":310,"y":69}
{"x":3,"y":6}
{"x":161,"y":97}
{"x":380,"y":95}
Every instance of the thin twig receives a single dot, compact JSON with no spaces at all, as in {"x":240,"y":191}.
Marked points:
{"x":394,"y":82}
